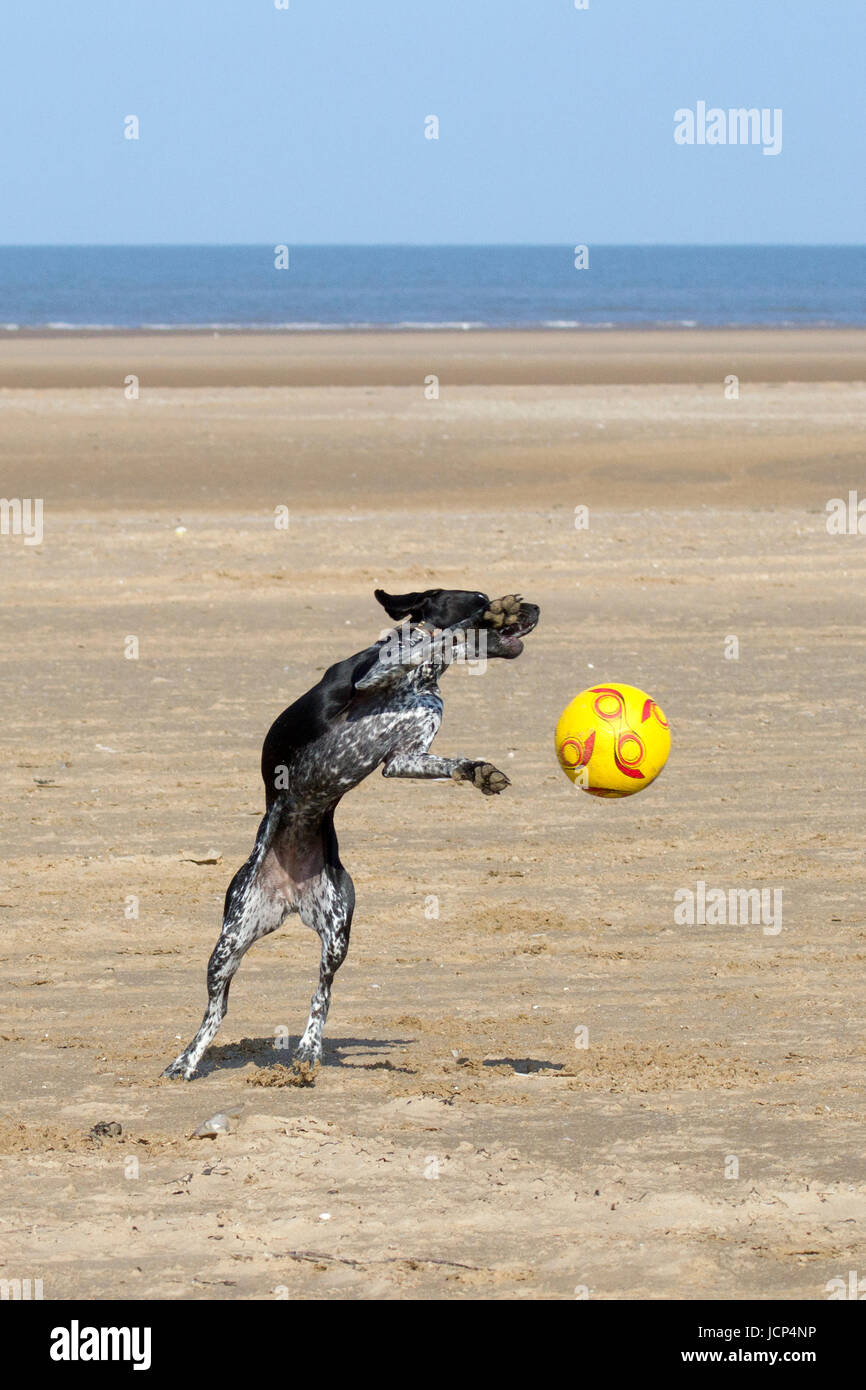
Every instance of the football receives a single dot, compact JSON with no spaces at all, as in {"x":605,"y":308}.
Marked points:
{"x":612,"y":740}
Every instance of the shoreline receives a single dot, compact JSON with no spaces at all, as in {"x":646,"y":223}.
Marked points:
{"x":11,"y":331}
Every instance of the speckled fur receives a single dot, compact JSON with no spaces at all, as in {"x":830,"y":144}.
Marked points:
{"x":389,"y":719}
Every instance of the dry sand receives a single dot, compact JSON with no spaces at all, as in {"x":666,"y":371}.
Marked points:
{"x":457,"y":1143}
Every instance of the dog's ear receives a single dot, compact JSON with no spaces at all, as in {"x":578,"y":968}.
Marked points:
{"x":412,"y":606}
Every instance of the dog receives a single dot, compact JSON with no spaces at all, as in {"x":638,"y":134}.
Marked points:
{"x":379,"y":707}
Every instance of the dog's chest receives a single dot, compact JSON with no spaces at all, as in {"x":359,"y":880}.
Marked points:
{"x":408,"y":719}
{"x":354,"y":746}
{"x":418,"y":716}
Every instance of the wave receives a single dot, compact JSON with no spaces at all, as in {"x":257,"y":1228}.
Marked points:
{"x":431,"y":325}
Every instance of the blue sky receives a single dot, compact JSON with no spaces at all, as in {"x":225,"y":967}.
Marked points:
{"x":306,"y":125}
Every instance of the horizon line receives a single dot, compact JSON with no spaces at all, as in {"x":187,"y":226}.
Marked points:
{"x":433,"y":246}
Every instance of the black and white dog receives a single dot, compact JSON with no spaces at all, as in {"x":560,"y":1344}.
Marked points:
{"x":381,"y":706}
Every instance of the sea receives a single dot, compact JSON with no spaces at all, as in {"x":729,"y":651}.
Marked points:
{"x":267,"y":288}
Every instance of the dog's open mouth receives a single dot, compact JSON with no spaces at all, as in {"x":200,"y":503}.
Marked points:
{"x":514,"y":631}
{"x":509,"y":637}
{"x":510,"y":619}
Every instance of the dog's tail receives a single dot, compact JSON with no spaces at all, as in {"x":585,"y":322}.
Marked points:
{"x":399,"y":606}
{"x":270,"y":824}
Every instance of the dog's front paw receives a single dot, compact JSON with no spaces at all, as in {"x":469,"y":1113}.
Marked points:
{"x":487,"y":778}
{"x":503,"y":611}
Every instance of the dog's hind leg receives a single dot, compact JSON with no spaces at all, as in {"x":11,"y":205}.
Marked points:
{"x":326,"y":905}
{"x":256,"y":904}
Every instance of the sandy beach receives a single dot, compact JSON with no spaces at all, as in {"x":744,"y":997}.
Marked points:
{"x":457,"y":1144}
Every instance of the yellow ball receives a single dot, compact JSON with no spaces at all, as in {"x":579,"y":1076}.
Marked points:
{"x":612,"y":740}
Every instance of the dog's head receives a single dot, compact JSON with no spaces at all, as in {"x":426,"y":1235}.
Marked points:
{"x":505,"y":621}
